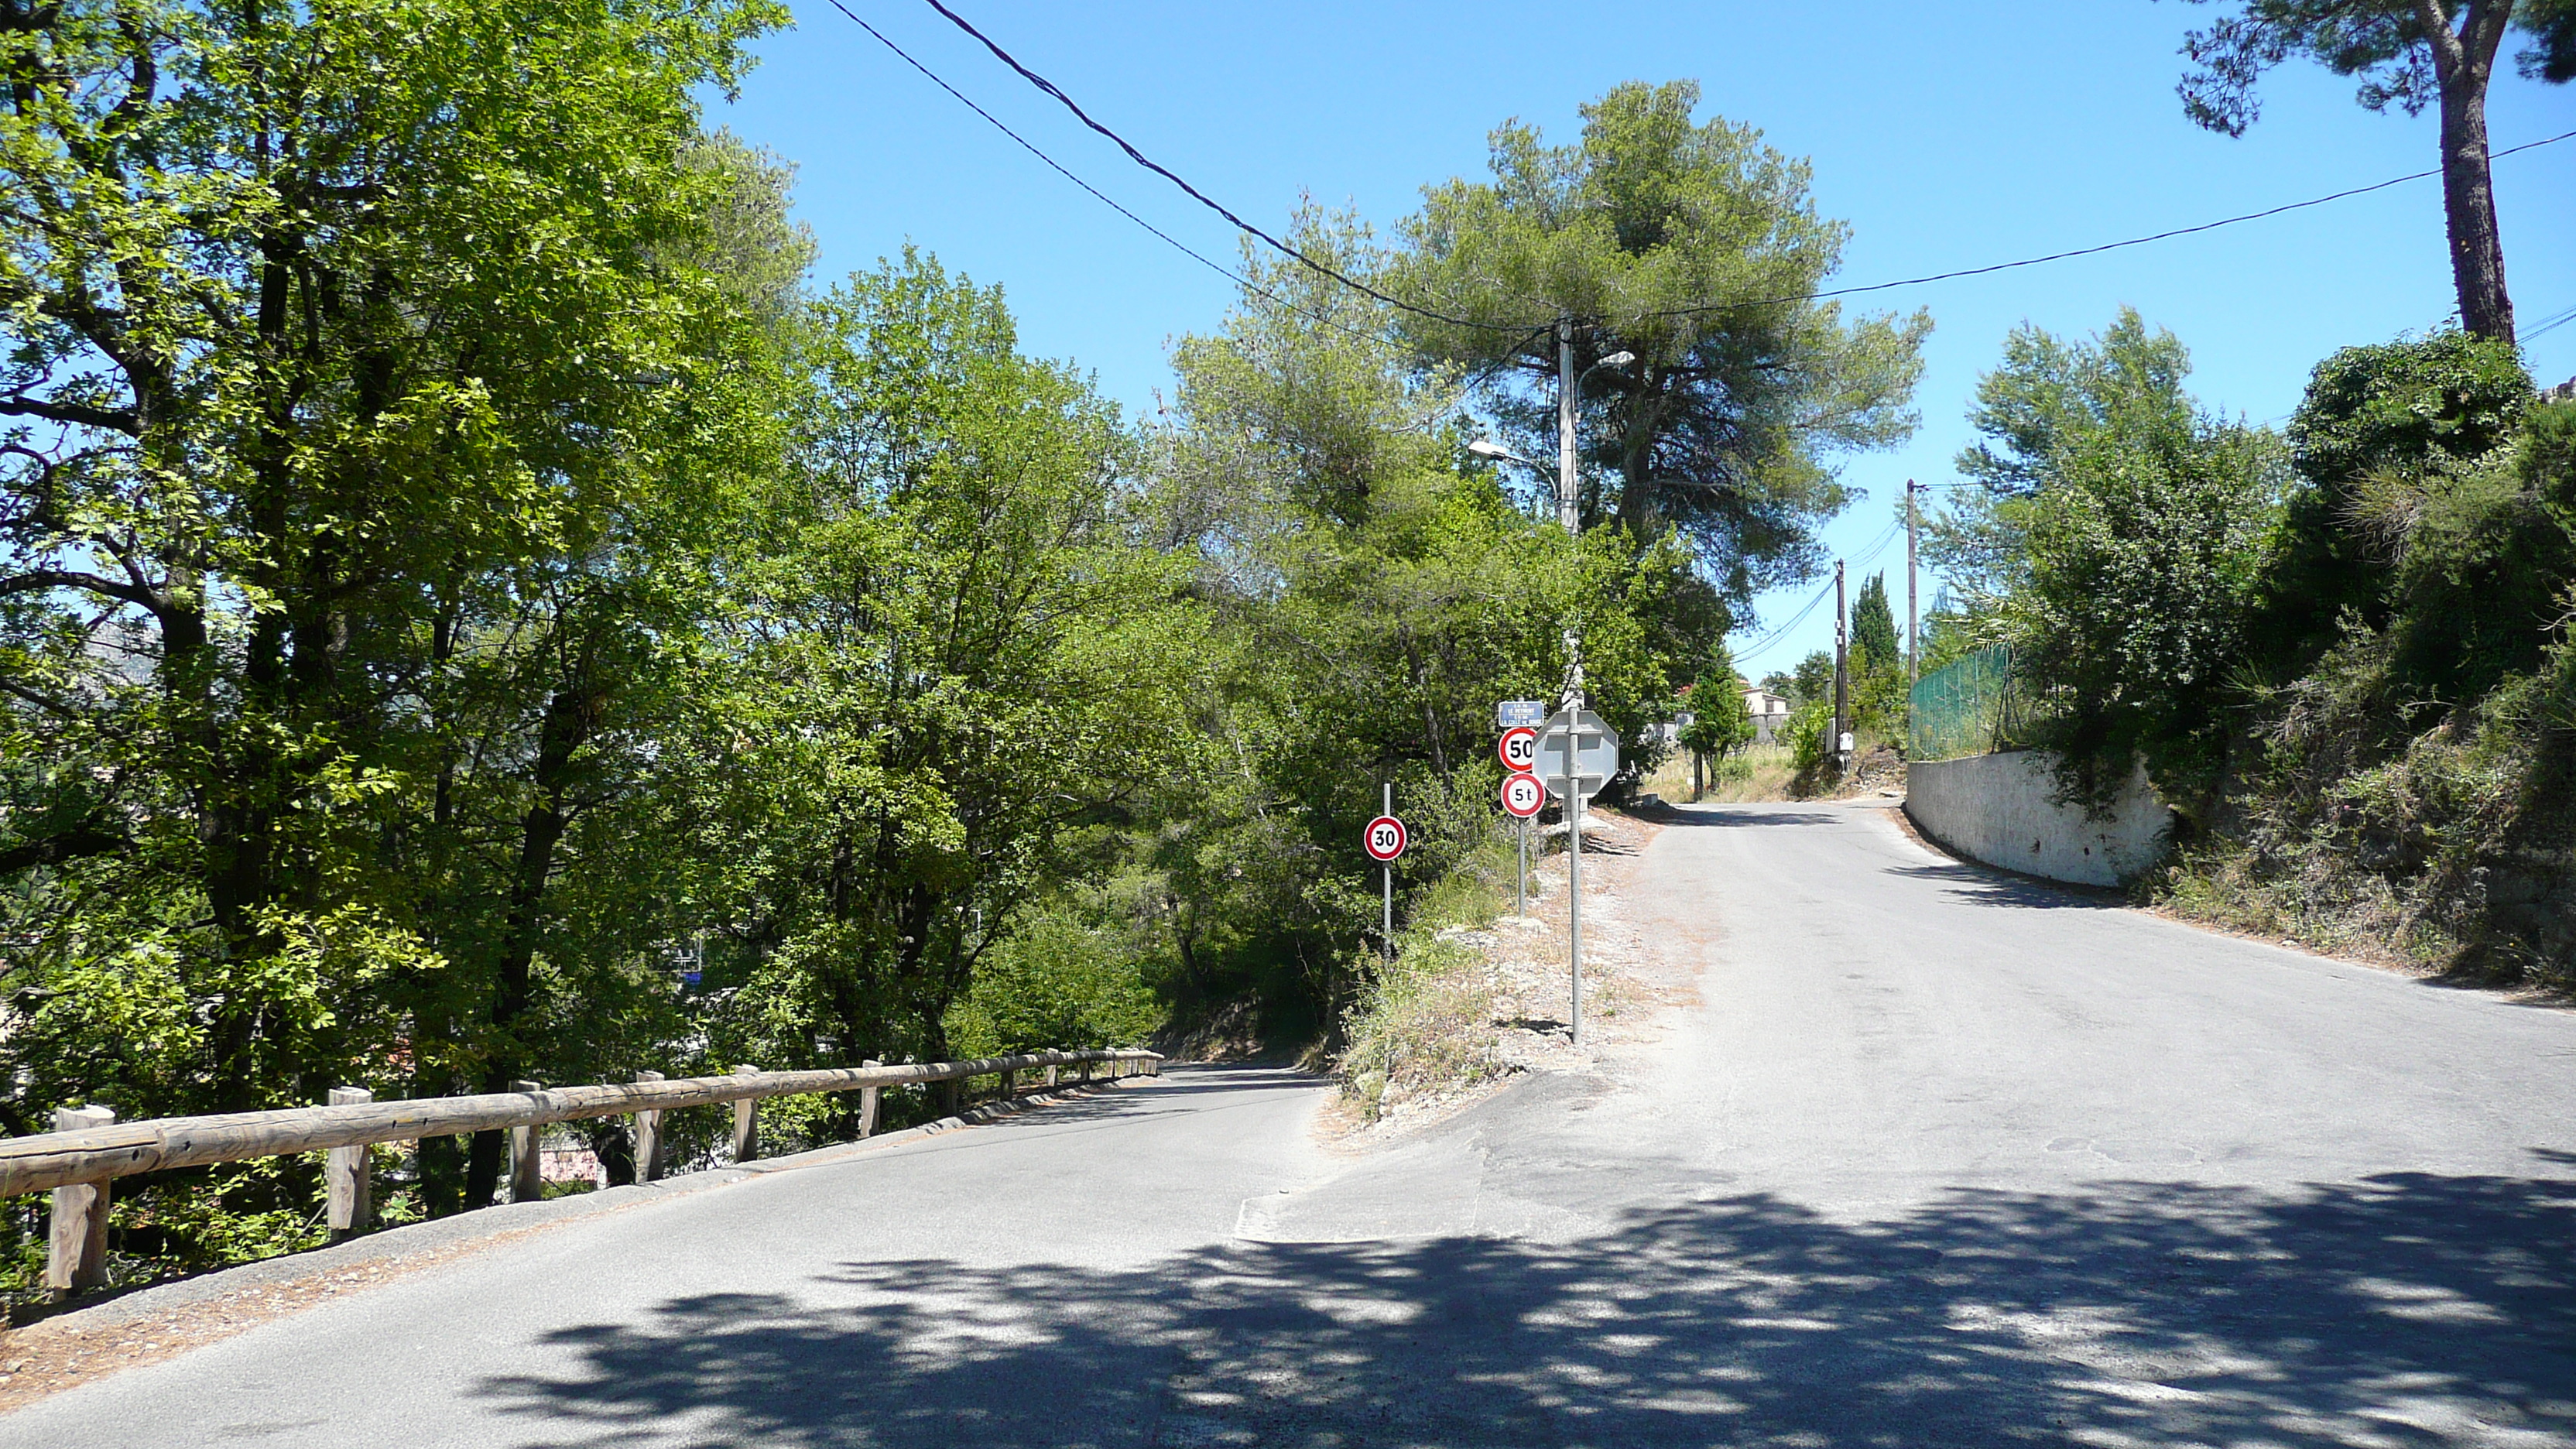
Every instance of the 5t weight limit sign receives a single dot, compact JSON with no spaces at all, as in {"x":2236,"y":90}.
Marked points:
{"x":1523,"y":795}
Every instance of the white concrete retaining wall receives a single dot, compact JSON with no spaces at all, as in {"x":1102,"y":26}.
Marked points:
{"x":2003,"y":810}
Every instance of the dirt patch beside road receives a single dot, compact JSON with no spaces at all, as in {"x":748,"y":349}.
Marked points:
{"x":1503,"y":1004}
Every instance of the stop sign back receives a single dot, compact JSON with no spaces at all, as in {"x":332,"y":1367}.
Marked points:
{"x":1384,"y":838}
{"x":1519,"y":749}
{"x":1523,"y":795}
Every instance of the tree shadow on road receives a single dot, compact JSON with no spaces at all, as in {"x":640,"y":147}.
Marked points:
{"x":1739,"y":818}
{"x":2409,"y":1309}
{"x":1987,"y":886}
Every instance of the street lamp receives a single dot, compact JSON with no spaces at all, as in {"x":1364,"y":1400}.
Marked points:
{"x":1568,"y":506}
{"x":1487,"y":448}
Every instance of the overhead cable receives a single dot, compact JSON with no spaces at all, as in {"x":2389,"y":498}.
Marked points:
{"x":1183,"y":248}
{"x":2135,"y":241}
{"x":1880,"y":547}
{"x":1201,"y":197}
{"x":1326,"y":270}
{"x":1776,"y":635}
{"x":2550,"y":323}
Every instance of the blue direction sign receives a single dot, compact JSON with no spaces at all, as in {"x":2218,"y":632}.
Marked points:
{"x":1514,"y":714}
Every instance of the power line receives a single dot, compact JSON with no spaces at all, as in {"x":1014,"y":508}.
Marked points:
{"x":2551,"y":323}
{"x":1201,"y":197}
{"x":1184,"y":249}
{"x":1776,"y":635}
{"x":2136,"y":241}
{"x":1327,"y":271}
{"x":1880,"y":547}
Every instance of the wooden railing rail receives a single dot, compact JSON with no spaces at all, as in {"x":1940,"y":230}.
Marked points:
{"x":90,"y":1148}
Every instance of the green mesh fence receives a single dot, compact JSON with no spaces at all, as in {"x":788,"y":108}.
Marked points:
{"x":1970,"y":707}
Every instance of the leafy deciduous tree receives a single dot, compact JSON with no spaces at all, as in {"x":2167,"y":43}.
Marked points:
{"x":363,"y":366}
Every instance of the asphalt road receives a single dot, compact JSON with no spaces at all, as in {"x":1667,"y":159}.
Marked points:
{"x":1939,"y":1159}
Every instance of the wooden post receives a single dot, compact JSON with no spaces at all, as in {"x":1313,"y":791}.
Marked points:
{"x":76,"y":1248}
{"x":868,"y":1105}
{"x":746,"y":1122}
{"x":648,"y":1138}
{"x":1010,"y":1083}
{"x":948,"y":1094}
{"x":350,"y":1182}
{"x":1051,"y":1071}
{"x":527,"y":1167}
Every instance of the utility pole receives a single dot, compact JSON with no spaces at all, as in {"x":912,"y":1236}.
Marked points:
{"x":1569,"y":511}
{"x":1569,"y":507}
{"x":1842,"y":672}
{"x":1913,"y":626}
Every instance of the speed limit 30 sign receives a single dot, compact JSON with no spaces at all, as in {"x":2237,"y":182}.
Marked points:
{"x":1519,"y":749}
{"x":1523,"y":795}
{"x":1385,"y":838}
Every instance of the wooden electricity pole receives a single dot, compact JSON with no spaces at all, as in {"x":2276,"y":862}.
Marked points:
{"x":1842,"y":673}
{"x":1913,"y":624}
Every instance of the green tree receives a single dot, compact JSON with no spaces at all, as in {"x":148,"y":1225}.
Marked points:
{"x":369,"y":399}
{"x":1689,"y":246}
{"x":1877,"y":663}
{"x":2048,"y":396}
{"x":2144,"y":555}
{"x":1377,"y":592}
{"x":1721,"y":720}
{"x":1874,"y":625}
{"x":2410,"y":54}
{"x":958,"y":671}
{"x":1814,"y":679}
{"x":2376,"y":425}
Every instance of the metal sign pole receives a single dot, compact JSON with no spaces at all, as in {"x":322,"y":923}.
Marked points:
{"x":1387,"y":933}
{"x":1574,"y":888}
{"x":1520,"y":885}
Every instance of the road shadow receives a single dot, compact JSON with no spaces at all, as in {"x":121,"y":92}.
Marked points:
{"x":1181,"y":1089}
{"x":1739,"y":817}
{"x":2407,"y":1309}
{"x":1987,"y":886}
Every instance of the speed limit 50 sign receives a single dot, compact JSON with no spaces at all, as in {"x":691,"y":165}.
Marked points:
{"x":1385,"y":838}
{"x":1519,"y":749}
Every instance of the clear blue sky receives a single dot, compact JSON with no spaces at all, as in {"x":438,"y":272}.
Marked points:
{"x":1948,"y":136}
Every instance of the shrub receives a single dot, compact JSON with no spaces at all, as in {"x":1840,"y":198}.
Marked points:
{"x":2143,"y":560}
{"x":2395,"y":410}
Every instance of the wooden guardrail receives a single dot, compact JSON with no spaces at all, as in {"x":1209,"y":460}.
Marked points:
{"x":89,"y":1148}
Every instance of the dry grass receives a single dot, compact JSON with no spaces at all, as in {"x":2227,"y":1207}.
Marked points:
{"x":1760,"y":773}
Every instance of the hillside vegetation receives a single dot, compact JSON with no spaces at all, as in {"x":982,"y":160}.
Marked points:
{"x":2346,"y":652}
